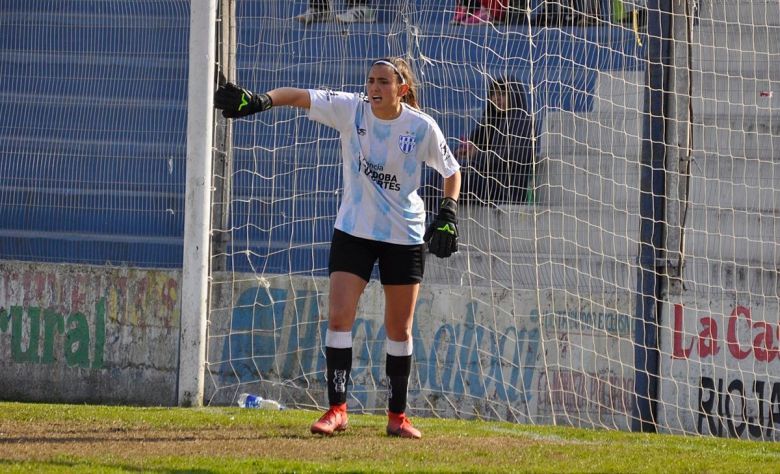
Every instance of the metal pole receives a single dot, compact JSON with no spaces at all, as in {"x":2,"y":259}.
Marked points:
{"x":652,"y":202}
{"x":200,"y":120}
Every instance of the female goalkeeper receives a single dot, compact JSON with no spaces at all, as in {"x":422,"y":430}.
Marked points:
{"x":385,"y":139}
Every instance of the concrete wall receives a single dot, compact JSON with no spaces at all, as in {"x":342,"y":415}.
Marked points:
{"x":85,"y":334}
{"x":88,"y":334}
{"x":720,"y":363}
{"x":720,"y":331}
{"x":522,"y":355}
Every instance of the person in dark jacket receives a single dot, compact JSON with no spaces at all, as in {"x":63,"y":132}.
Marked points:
{"x":498,"y":155}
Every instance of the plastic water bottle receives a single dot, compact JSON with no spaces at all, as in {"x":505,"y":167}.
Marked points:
{"x":247,"y":400}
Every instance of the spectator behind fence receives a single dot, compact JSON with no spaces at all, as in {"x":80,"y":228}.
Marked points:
{"x":480,"y":12}
{"x":497,"y":158}
{"x":358,"y":11}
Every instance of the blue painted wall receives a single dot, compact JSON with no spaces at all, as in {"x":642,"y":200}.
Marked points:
{"x":92,"y":121}
{"x":93,"y":118}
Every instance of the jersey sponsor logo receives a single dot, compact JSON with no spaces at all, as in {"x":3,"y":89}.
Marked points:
{"x":406,"y":143}
{"x":376,"y":174}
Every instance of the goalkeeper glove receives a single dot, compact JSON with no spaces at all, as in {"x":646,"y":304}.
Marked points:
{"x":237,"y":102}
{"x":442,"y":234}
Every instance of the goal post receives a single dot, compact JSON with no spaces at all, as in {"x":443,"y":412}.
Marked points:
{"x":197,"y":225}
{"x":505,"y":294}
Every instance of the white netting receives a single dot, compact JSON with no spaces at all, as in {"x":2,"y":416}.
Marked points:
{"x":535,"y":319}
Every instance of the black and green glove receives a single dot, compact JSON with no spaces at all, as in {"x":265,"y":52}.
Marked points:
{"x":442,"y":234}
{"x":237,"y":102}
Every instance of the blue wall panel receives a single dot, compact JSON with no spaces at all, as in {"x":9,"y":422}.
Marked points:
{"x":92,"y":121}
{"x":93,"y":118}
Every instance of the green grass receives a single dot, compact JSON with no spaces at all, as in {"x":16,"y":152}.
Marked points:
{"x":78,"y":438}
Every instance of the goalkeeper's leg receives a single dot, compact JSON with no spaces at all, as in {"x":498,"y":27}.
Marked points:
{"x":398,"y":371}
{"x":399,"y":311}
{"x":338,"y":357}
{"x":345,"y":291}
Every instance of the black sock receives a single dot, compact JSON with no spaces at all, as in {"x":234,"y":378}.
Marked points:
{"x":398,"y":370}
{"x":339,"y":362}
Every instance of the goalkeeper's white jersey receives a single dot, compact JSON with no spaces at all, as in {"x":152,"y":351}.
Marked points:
{"x":382,"y":166}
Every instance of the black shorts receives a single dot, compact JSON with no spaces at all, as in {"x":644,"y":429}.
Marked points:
{"x":398,"y":264}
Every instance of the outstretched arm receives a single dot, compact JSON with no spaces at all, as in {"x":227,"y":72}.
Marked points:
{"x":235,"y":101}
{"x":291,"y":96}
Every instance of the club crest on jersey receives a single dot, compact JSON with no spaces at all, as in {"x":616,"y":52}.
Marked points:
{"x":406,"y":143}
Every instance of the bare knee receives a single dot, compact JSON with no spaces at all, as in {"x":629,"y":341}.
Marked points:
{"x":340,"y":324}
{"x":398,"y":331}
{"x":345,"y":291}
{"x":341,"y":317}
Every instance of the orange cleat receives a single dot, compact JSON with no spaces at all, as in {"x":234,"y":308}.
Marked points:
{"x":333,"y":420}
{"x":399,"y":425}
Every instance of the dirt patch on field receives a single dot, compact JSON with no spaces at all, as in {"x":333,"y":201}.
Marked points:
{"x":37,"y":440}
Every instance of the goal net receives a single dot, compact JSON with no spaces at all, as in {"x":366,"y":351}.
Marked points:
{"x":551,"y":312}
